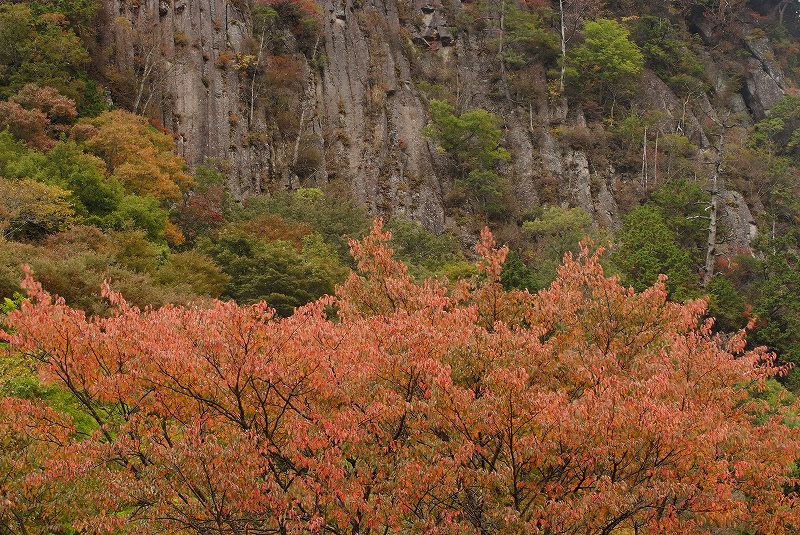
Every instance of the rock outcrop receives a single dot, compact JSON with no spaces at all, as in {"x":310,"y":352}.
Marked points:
{"x":765,"y":84}
{"x":178,"y":48}
{"x":361,"y":113}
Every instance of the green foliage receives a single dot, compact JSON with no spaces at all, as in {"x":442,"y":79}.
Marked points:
{"x":334,"y":218}
{"x":676,"y":153}
{"x":277,"y":271}
{"x":667,"y":52}
{"x":68,"y":167}
{"x":518,"y":275}
{"x":11,"y":150}
{"x":196,"y":270}
{"x":208,"y":178}
{"x":726,"y":304}
{"x":771,"y":163}
{"x":432,"y":90}
{"x":560,"y":227}
{"x":648,"y":248}
{"x":18,"y":378}
{"x":30,"y":210}
{"x":780,"y":132}
{"x":472,"y":140}
{"x":300,"y":17}
{"x":74,"y":264}
{"x":71,"y":186}
{"x":776,"y":296}
{"x":293,"y":247}
{"x":132,"y":250}
{"x":554,"y":231}
{"x":765,"y":286}
{"x":628,"y":132}
{"x":486,"y":189}
{"x":426,"y":254}
{"x":682,"y":204}
{"x":786,"y":45}
{"x":776,"y":397}
{"x":206,"y":207}
{"x":606,"y":64}
{"x":774,"y":285}
{"x":44,"y":50}
{"x":527,"y":39}
{"x":80,"y":14}
{"x":264,"y":17}
{"x":138,"y":212}
{"x":9,"y":304}
{"x":142,"y":158}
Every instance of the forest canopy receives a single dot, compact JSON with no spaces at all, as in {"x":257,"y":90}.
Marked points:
{"x":398,"y":405}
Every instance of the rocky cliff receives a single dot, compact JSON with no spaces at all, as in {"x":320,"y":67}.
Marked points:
{"x":354,"y":110}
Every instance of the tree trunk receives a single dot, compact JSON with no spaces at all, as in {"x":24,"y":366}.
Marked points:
{"x":711,"y":243}
{"x":644,"y":161}
{"x":563,"y":48}
{"x":503,"y":77}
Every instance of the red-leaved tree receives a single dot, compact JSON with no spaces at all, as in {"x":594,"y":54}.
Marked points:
{"x":584,"y":409}
{"x":306,"y":7}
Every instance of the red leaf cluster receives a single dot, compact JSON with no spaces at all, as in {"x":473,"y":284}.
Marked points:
{"x":586,"y":408}
{"x":37,"y":115}
{"x":306,"y":7}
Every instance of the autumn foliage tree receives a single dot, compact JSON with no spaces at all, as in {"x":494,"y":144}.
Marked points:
{"x":30,"y":210}
{"x":139,"y":156}
{"x":40,"y":47}
{"x":586,"y":408}
{"x":37,"y":115}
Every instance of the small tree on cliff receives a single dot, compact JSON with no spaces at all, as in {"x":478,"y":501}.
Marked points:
{"x":607,"y":63}
{"x":472,"y":140}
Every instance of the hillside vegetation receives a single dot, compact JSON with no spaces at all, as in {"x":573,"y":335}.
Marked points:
{"x":392,"y":266}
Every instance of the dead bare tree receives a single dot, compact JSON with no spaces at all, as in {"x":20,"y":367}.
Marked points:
{"x":713,"y":213}
{"x":782,"y":6}
{"x":144,"y":66}
{"x":645,"y":166}
{"x":563,"y":47}
{"x":152,"y":72}
{"x":716,"y":189}
{"x":306,"y":104}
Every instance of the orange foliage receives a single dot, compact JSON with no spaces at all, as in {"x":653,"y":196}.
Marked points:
{"x":34,"y":437}
{"x":285,"y":71}
{"x":57,"y":107}
{"x":173,"y":234}
{"x":37,"y":115}
{"x":270,"y":227}
{"x":27,"y":125}
{"x":140,"y":156}
{"x":586,"y":408}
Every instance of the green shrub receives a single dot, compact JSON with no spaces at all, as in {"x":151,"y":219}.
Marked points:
{"x":607,"y":64}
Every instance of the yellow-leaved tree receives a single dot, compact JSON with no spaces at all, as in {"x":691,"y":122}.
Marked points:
{"x":140,"y":156}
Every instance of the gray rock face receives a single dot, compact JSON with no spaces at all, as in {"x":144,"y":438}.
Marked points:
{"x":195,"y":91}
{"x":362,"y":113}
{"x":365,"y":92}
{"x":765,"y":84}
{"x":738,"y":224}
{"x":678,"y":113}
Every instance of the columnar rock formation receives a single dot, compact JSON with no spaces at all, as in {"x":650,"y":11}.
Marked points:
{"x":360,"y":113}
